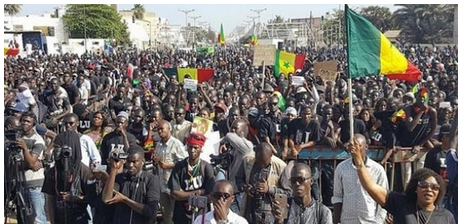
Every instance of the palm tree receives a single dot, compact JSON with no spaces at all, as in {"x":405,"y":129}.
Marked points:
{"x":12,"y":9}
{"x":138,"y":11}
{"x":421,"y":23}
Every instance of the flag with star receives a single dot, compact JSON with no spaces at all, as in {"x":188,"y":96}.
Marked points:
{"x":287,"y":62}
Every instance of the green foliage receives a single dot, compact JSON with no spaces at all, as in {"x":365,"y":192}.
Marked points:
{"x":12,"y":9}
{"x":380,"y":17}
{"x":138,"y":11}
{"x":95,"y":21}
{"x":424,"y":23}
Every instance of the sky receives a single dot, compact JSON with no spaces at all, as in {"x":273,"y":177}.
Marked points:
{"x":230,"y":15}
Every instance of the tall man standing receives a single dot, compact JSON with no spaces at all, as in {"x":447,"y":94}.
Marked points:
{"x":352,"y":203}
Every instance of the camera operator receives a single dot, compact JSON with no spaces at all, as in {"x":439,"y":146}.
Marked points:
{"x":190,"y":177}
{"x":66,"y":184}
{"x":222,"y":198}
{"x":258,"y":177}
{"x":134,"y":193}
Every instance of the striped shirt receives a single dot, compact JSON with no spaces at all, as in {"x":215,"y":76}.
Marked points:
{"x":357,"y":205}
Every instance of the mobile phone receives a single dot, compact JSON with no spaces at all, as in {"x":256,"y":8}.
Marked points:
{"x":283,"y":204}
{"x":101,"y":167}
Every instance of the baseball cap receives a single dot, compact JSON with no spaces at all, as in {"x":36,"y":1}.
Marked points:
{"x":444,"y":129}
{"x":301,"y":89}
{"x":221,"y":106}
{"x":123,"y":114}
{"x":253,"y":112}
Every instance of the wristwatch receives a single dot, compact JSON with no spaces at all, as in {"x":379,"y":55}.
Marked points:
{"x":222,"y":222}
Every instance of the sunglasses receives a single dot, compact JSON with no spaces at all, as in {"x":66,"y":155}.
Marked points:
{"x":69,"y":123}
{"x":424,"y":185}
{"x":219,"y":195}
{"x":299,"y":180}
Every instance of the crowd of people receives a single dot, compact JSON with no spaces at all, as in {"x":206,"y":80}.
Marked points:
{"x":110,"y":138}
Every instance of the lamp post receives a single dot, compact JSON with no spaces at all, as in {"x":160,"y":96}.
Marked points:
{"x":186,"y":11}
{"x":194,"y":28}
{"x":258,"y":11}
{"x":149,"y":43}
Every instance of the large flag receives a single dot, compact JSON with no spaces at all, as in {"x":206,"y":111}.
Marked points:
{"x":369,"y":52}
{"x":201,"y":75}
{"x":287,"y":62}
{"x":221,"y":36}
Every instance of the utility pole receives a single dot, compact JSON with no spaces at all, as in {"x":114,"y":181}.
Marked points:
{"x":85,"y":30}
{"x":194,"y":28}
{"x":186,"y":11}
{"x":258,"y":11}
{"x":253,"y":24}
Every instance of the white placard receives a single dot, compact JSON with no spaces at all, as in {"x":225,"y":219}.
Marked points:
{"x":211,"y":146}
{"x":264,"y":53}
{"x":297,"y":81}
{"x":190,"y":84}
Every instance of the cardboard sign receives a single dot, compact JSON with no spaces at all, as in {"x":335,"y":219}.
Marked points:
{"x":264,"y":53}
{"x":297,"y":81}
{"x":327,"y":70}
{"x":190,"y":84}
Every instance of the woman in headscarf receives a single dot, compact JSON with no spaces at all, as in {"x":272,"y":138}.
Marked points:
{"x":68,"y":193}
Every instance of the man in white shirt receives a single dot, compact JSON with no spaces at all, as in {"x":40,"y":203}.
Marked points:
{"x":222,"y":197}
{"x":352,"y":203}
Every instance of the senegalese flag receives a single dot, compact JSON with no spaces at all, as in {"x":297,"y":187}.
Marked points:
{"x":201,"y":75}
{"x":424,"y":95}
{"x":281,"y":100}
{"x":254,"y":40}
{"x":370,"y":53}
{"x":221,"y":36}
{"x":10,"y":51}
{"x":287,"y":62}
{"x":399,"y":114}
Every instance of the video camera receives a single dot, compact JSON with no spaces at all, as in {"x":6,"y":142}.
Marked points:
{"x":222,"y":161}
{"x":62,"y":152}
{"x":116,"y":156}
{"x":11,"y":136}
{"x":199,"y":202}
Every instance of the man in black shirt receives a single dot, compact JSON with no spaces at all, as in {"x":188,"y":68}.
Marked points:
{"x":71,"y":89}
{"x":119,"y":103}
{"x":191,"y":176}
{"x":118,"y":140}
{"x":304,"y":132}
{"x":135,"y":193}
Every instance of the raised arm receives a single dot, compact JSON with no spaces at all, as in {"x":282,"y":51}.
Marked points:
{"x":377,"y":192}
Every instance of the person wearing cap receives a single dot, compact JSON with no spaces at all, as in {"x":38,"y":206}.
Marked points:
{"x":118,"y":140}
{"x":57,"y":103}
{"x":415,"y":131}
{"x":219,"y":111}
{"x":190,"y":177}
{"x":290,"y":115}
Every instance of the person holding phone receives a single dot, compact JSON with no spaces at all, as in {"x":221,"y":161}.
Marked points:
{"x":303,"y":207}
{"x":223,"y":196}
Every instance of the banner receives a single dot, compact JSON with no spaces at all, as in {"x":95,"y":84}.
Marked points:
{"x":264,"y":53}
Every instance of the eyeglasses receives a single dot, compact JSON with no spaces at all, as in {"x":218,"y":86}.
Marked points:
{"x":424,"y":185}
{"x":219,"y":195}
{"x":299,"y":180}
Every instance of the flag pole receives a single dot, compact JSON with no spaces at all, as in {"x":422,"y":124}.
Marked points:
{"x":349,"y":80}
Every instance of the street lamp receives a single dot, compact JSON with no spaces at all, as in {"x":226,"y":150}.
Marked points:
{"x":149,"y":43}
{"x":194,"y":27}
{"x":186,"y":19}
{"x":258,"y":11}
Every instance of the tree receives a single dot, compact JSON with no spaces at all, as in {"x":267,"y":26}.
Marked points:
{"x":423,"y":23}
{"x":381,"y":17}
{"x":95,"y":21}
{"x":138,"y":11}
{"x":12,"y":9}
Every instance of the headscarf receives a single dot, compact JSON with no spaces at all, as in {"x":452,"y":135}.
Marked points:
{"x":196,"y":138}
